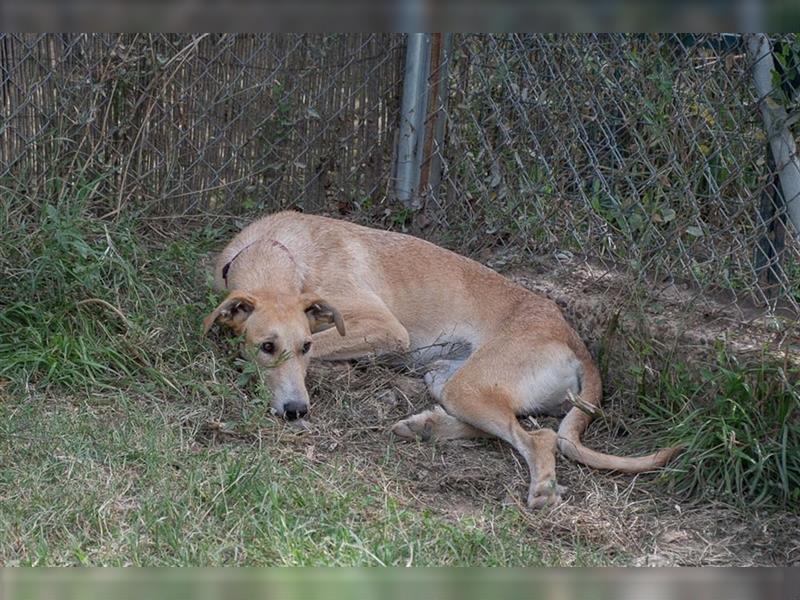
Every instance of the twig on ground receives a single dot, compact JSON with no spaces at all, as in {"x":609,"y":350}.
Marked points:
{"x":109,"y":306}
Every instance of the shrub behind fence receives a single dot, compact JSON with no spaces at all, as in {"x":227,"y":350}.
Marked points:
{"x":645,"y":150}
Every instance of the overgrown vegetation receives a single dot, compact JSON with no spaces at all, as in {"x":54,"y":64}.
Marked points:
{"x":739,"y":425}
{"x":89,"y":305}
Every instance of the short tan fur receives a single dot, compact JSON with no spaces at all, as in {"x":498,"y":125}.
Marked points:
{"x":309,"y":287}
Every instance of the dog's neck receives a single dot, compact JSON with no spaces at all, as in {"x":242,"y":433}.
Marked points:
{"x":263,"y":261}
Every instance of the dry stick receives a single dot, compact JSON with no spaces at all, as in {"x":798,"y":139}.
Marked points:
{"x":182,"y":54}
{"x":590,"y":409}
{"x":109,"y":306}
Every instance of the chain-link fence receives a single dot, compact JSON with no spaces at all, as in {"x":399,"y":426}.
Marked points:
{"x":179,"y":123}
{"x":646,"y":152}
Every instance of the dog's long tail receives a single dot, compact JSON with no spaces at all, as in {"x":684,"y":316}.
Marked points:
{"x":576,"y":421}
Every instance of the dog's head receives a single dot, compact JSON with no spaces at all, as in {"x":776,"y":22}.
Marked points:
{"x":278,"y":331}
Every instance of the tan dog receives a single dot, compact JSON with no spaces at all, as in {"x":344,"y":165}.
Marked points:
{"x":304,"y":287}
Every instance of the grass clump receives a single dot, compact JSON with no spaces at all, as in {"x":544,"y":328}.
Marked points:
{"x":739,"y":425}
{"x":86,"y":302}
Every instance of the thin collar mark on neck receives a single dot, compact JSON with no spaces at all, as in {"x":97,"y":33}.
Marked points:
{"x":228,"y":264}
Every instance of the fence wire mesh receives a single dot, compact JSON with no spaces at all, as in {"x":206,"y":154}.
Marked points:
{"x":647,"y":151}
{"x":643,"y":151}
{"x":183,"y":123}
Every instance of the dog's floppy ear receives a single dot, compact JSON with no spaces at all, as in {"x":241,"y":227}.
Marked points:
{"x":233,"y":311}
{"x":321,"y":315}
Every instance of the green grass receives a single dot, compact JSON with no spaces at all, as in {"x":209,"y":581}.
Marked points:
{"x":105,"y":386}
{"x":120,"y":484}
{"x":739,"y":425}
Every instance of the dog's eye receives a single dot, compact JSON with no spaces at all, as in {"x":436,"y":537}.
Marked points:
{"x":306,"y":348}
{"x":268,"y":347}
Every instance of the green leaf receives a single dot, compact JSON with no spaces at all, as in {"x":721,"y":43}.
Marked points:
{"x":694,"y":231}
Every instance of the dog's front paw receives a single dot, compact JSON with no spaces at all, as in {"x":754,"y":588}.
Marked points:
{"x":417,"y":426}
{"x":546,"y":493}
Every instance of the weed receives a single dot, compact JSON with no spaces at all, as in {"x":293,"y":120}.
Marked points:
{"x":739,"y":425}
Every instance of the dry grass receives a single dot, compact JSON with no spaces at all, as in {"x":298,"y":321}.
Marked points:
{"x":621,"y":517}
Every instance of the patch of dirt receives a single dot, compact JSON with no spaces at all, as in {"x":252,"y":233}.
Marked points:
{"x":672,"y":316}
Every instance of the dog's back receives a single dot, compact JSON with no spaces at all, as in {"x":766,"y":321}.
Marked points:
{"x":421,"y":282}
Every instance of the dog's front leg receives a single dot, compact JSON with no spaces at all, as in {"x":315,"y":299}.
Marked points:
{"x":369,"y":331}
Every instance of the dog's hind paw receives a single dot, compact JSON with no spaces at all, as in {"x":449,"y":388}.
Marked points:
{"x":547,"y":493}
{"x":414,"y":427}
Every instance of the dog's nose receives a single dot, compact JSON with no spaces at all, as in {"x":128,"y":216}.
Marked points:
{"x":295,"y":410}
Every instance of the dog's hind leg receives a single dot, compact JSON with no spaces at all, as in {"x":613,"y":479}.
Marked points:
{"x":491,"y":409}
{"x":486,"y":394}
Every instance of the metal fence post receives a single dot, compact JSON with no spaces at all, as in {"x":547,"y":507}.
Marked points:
{"x":781,"y":141}
{"x":430,"y":177}
{"x":412,"y":119}
{"x":769,"y":249}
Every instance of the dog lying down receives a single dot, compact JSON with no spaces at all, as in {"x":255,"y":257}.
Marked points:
{"x":305,"y":287}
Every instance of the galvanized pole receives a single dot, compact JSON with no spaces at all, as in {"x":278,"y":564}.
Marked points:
{"x":412,"y":119}
{"x":779,"y":136}
{"x":422,"y":114}
{"x":437,"y":154}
